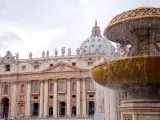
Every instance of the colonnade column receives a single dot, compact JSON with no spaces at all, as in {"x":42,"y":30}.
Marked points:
{"x":68,"y":97}
{"x":28,"y":100}
{"x":78,"y":98}
{"x":46,"y":99}
{"x":55,"y":99}
{"x":113,"y":105}
{"x":13,"y":102}
{"x":41,"y":99}
{"x":84,"y":98}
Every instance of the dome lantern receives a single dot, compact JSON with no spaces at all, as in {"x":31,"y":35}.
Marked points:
{"x":96,"y":30}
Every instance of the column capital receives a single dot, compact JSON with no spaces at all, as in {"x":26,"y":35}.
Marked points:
{"x":42,"y":81}
{"x":14,"y":82}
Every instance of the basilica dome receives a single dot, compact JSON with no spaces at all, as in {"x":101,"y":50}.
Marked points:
{"x":96,"y":43}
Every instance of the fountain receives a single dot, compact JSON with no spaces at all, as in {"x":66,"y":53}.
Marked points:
{"x":138,"y":74}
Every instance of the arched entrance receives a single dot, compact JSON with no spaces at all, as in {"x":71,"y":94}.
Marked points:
{"x":5,"y":107}
{"x":50,"y":111}
{"x":73,"y":111}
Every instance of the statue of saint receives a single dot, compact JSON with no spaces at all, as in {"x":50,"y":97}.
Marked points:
{"x":78,"y":51}
{"x":69,"y":51}
{"x":30,"y":55}
{"x":17,"y":56}
{"x":83,"y":51}
{"x":56,"y":52}
{"x":43,"y":54}
{"x":47,"y":53}
{"x":63,"y":50}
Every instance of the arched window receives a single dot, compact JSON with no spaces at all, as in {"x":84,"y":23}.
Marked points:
{"x":6,"y":89}
{"x":50,"y":111}
{"x":51,"y":87}
{"x":73,"y":86}
{"x":91,"y":85}
{"x":22,"y":88}
{"x":36,"y":87}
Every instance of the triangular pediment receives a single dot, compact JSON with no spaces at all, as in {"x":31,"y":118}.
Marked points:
{"x":61,"y":66}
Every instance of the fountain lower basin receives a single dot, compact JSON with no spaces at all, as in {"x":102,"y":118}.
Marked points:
{"x":128,"y":71}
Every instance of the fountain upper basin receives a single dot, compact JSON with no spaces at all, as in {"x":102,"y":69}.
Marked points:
{"x":128,"y":71}
{"x":122,"y":28}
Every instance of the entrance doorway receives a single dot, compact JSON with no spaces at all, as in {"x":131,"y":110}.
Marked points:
{"x":50,"y":111}
{"x":91,"y":107}
{"x":62,"y":108}
{"x":5,"y":107}
{"x":35,"y":109}
{"x":73,"y":111}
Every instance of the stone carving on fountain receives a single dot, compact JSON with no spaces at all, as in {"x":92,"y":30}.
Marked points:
{"x":127,"y":117}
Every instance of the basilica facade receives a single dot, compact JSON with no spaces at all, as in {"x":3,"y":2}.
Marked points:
{"x":58,"y":85}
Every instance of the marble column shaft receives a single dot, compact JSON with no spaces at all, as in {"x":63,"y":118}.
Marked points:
{"x":28,"y":100}
{"x":84,"y":98}
{"x":107,"y":103}
{"x":46,"y":99}
{"x":78,"y":98}
{"x":55,"y":99}
{"x":41,"y":99}
{"x":113,"y":105}
{"x":68,"y":98}
{"x":13,"y":102}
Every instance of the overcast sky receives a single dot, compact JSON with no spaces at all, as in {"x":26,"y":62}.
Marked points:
{"x":36,"y":25}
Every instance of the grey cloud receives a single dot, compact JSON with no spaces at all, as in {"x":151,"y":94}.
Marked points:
{"x":7,"y":37}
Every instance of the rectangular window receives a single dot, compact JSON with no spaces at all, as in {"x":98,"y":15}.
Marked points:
{"x":35,"y":97}
{"x":36,"y":67}
{"x":90,"y":63}
{"x":7,"y":67}
{"x":73,"y":63}
{"x":51,"y":65}
{"x":23,"y":67}
{"x":73,"y":96}
{"x":91,"y":96}
{"x":51,"y":97}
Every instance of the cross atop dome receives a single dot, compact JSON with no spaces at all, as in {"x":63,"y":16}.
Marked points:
{"x":96,"y":30}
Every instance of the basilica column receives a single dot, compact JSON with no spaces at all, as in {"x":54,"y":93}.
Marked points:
{"x":41,"y":99}
{"x":46,"y":98}
{"x":84,"y":98}
{"x":28,"y":100}
{"x":13,"y":102}
{"x":68,"y":97}
{"x":113,"y":105}
{"x":78,"y":98}
{"x":55,"y":99}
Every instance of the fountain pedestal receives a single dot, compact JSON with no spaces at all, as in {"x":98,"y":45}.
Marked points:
{"x":138,"y":76}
